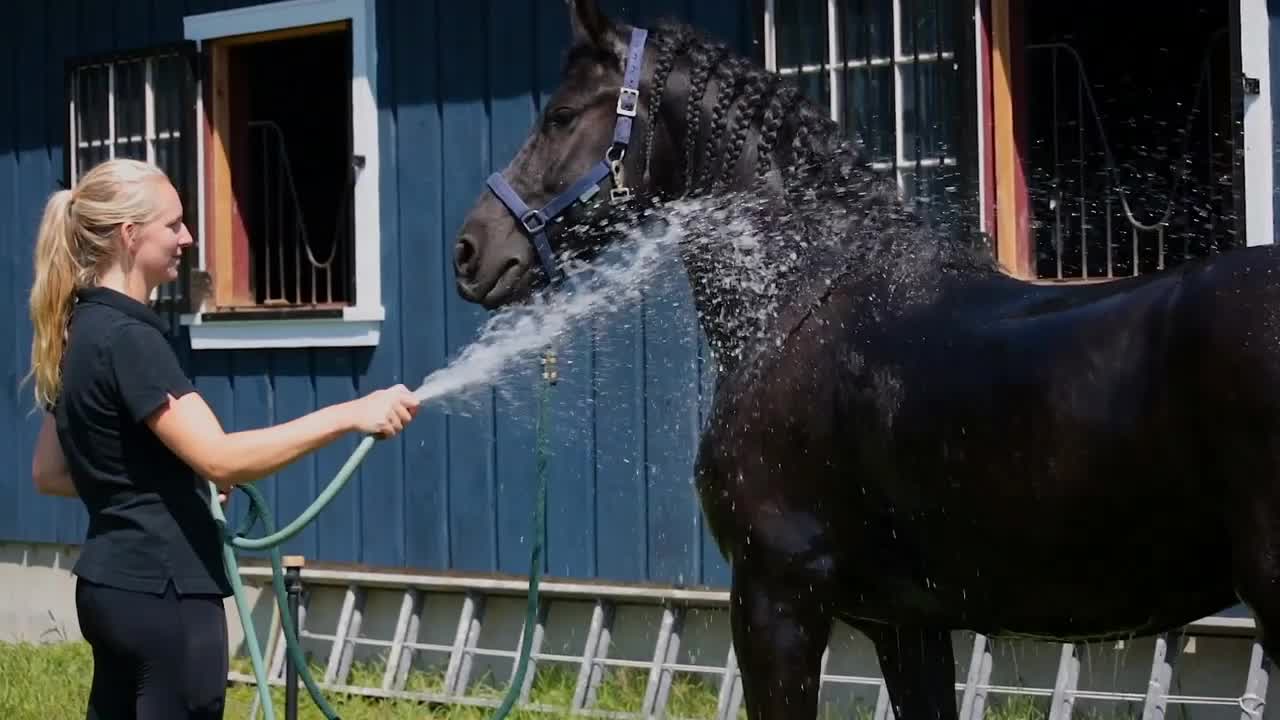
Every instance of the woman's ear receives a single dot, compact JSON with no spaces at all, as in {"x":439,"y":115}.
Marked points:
{"x":128,"y":232}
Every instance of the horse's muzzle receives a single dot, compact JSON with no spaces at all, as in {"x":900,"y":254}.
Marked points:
{"x":493,"y":277}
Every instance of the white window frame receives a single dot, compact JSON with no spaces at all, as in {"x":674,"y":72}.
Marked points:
{"x":361,"y":323}
{"x":1259,"y":152}
{"x":836,"y":64}
{"x":981,"y":56}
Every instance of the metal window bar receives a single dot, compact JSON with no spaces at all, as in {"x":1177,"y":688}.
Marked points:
{"x":149,"y":114}
{"x":73,"y":118}
{"x":833,"y":58}
{"x":111,"y":110}
{"x":899,"y":95}
{"x":973,"y":695}
{"x":770,"y":36}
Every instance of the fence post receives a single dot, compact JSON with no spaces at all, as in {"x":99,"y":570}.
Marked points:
{"x":293,"y":565}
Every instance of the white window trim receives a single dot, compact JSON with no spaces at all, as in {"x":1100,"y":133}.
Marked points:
{"x":1259,"y":157}
{"x":360,"y":325}
{"x":980,"y":57}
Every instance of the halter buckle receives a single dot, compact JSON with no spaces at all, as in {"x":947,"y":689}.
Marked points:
{"x":628,"y":101}
{"x":533,"y":221}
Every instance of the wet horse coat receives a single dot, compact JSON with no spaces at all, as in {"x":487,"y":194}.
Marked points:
{"x":914,"y":442}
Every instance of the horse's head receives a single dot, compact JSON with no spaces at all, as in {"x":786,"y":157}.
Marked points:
{"x":641,"y":117}
{"x":585,"y":153}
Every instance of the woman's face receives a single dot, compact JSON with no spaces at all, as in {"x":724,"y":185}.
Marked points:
{"x":156,"y":247}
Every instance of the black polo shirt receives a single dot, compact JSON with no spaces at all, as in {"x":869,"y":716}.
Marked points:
{"x":149,"y":520}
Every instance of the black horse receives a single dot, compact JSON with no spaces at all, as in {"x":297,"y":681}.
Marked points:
{"x":909,"y":440}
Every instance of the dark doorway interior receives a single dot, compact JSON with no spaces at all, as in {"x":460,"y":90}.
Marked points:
{"x":1159,"y":75}
{"x":298,"y":202}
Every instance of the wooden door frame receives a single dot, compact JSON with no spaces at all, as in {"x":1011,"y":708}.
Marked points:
{"x":1007,"y":206}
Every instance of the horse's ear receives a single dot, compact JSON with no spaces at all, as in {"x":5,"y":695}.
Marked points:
{"x":590,"y":25}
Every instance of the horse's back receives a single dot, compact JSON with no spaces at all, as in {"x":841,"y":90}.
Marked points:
{"x":984,"y":449}
{"x":1232,"y":308}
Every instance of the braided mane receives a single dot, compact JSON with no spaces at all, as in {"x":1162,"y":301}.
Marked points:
{"x":751,"y":144}
{"x":791,"y":135}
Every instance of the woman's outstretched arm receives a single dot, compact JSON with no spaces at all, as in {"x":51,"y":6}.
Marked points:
{"x":188,"y":426}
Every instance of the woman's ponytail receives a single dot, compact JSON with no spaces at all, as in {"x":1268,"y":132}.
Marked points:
{"x":78,"y":239}
{"x":52,"y":295}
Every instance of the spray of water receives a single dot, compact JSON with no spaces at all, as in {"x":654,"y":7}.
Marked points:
{"x":739,"y":280}
{"x":517,"y":335}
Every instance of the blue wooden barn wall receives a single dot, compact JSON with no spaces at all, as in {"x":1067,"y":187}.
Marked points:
{"x":459,"y":84}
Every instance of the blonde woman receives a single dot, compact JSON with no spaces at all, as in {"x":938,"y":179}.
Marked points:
{"x":126,"y":432}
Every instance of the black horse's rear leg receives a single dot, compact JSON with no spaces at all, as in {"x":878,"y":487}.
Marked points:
{"x":1253,"y":523}
{"x":1259,"y":588}
{"x":918,"y":665}
{"x":1256,"y":567}
{"x":779,"y":634}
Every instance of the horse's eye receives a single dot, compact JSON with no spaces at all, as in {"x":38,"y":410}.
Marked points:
{"x":561,"y":118}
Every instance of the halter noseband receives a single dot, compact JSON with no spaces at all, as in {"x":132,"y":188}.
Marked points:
{"x":534,"y":222}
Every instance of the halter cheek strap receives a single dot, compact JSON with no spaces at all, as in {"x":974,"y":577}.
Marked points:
{"x":534,"y":222}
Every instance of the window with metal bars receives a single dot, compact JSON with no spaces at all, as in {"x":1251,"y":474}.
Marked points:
{"x":266,"y":122}
{"x":886,"y":71}
{"x":284,"y":230}
{"x":137,"y":105}
{"x":282,"y":128}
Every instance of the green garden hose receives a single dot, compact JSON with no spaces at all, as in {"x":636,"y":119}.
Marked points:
{"x":259,"y":512}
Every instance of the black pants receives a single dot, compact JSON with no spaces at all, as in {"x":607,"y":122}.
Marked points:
{"x":154,"y":656}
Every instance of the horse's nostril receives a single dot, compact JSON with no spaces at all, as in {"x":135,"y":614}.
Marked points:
{"x":464,"y":255}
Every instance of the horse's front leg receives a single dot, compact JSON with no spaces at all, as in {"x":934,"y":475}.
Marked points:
{"x":779,"y":635}
{"x":919,"y":670}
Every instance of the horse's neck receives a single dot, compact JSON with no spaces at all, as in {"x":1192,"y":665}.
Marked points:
{"x":759,"y":247}
{"x":746,"y":248}
{"x":734,"y":300}
{"x":757,"y":274}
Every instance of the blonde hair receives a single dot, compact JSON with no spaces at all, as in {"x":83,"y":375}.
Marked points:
{"x":78,"y":239}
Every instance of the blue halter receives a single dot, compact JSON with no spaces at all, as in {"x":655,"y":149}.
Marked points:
{"x":534,"y":221}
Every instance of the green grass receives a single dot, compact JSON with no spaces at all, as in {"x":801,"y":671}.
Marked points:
{"x":51,"y":682}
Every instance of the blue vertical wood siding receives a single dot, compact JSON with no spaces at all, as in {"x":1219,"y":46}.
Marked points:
{"x":12,"y":365}
{"x":459,"y":85}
